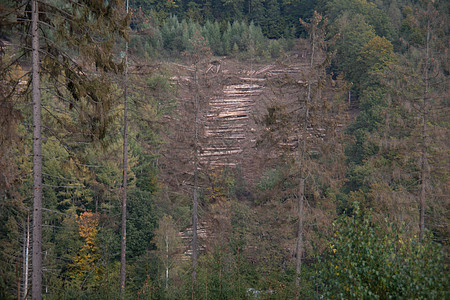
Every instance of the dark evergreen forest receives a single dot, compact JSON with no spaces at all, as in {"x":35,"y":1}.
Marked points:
{"x":224,"y":149}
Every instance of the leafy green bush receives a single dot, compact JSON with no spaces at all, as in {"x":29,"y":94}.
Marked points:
{"x":365,"y":262}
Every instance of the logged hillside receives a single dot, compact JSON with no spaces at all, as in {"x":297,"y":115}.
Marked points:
{"x":238,"y":92}
{"x":154,"y":149}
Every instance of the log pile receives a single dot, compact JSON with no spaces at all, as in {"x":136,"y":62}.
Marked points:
{"x":227,"y":123}
{"x":230,"y":129}
{"x":235,"y":92}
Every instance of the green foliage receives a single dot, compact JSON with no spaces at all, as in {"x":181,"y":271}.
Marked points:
{"x":141,"y":222}
{"x":174,"y":34}
{"x":11,"y":214}
{"x":369,"y":120}
{"x":357,"y":178}
{"x":363,"y":34}
{"x":234,"y":37}
{"x":269,"y":179}
{"x":377,"y":54}
{"x":274,"y":48}
{"x":216,"y":280}
{"x":363,"y":56}
{"x":354,"y":34}
{"x":273,"y":21}
{"x":367,"y":9}
{"x":211,"y":31}
{"x":173,"y":37}
{"x":273,"y":16}
{"x":251,"y":240}
{"x":366,"y":262}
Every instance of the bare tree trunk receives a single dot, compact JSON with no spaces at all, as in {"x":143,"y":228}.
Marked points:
{"x":424,"y":156}
{"x":24,"y":257}
{"x":37,"y":159}
{"x":299,"y":248}
{"x":26,"y":250}
{"x":422,"y":194}
{"x":301,"y":157}
{"x":124,"y":176}
{"x":195,"y":191}
{"x":167,"y":259}
{"x":301,"y":201}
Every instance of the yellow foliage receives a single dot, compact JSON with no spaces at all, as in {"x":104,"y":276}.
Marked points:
{"x":85,"y":262}
{"x":87,"y":228}
{"x":218,"y":189}
{"x":377,"y":53}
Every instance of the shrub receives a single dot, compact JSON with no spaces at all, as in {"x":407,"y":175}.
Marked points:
{"x":365,"y":262}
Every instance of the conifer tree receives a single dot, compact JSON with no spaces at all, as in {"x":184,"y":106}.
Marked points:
{"x":60,"y":31}
{"x":415,"y":128}
{"x":182,"y":162}
{"x":302,"y":124}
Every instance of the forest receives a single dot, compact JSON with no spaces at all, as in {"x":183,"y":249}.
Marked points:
{"x":224,"y":149}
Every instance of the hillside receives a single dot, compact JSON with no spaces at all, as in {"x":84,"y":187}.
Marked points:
{"x":224,"y":149}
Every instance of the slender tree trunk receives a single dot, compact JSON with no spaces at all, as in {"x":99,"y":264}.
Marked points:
{"x":18,"y":280}
{"x":124,"y":183}
{"x":424,"y":156}
{"x":422,"y":194}
{"x":167,"y":259}
{"x":239,"y":272}
{"x":299,"y":248}
{"x":220,"y":274}
{"x":26,"y":260}
{"x":301,"y":201}
{"x":37,"y":159}
{"x":195,"y":191}
{"x":301,"y":157}
{"x":24,"y":257}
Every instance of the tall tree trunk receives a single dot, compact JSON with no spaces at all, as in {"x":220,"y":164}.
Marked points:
{"x":424,"y":156}
{"x":26,"y":251}
{"x":37,"y":159}
{"x":124,"y":176}
{"x":195,"y":191}
{"x":302,"y":174}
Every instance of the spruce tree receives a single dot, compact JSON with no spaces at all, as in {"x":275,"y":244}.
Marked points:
{"x":415,"y":128}
{"x":302,"y":126}
{"x":59,"y":32}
